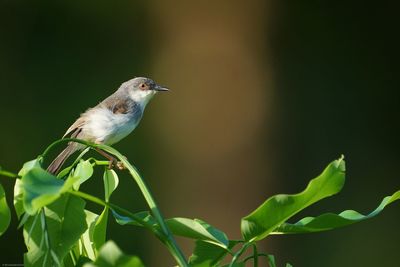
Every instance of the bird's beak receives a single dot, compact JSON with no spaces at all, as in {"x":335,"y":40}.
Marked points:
{"x":160,"y":88}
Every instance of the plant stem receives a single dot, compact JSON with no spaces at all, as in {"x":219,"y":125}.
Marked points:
{"x":258,"y":255}
{"x":239,"y":253}
{"x":255,"y":254}
{"x":173,"y":246}
{"x":8,"y":174}
{"x":166,"y":233}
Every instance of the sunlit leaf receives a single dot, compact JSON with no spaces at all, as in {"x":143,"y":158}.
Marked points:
{"x":111,"y":256}
{"x":330,"y":221}
{"x":5,"y":215}
{"x":111,"y":181}
{"x":277,"y":209}
{"x":86,"y":245}
{"x":18,"y":198}
{"x":82,"y":172}
{"x":29,"y":166}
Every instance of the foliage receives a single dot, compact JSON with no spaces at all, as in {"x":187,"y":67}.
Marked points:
{"x":59,"y":231}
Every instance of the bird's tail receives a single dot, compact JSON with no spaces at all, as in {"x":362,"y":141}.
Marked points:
{"x":57,"y":163}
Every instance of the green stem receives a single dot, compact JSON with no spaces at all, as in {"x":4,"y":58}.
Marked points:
{"x":255,"y":254}
{"x":238,"y":254}
{"x":64,"y":140}
{"x":252,"y":256}
{"x":8,"y":174}
{"x":176,"y":251}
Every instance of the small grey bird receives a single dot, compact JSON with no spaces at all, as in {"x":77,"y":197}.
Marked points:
{"x":111,"y":120}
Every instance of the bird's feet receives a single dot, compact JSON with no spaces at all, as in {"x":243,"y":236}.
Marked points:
{"x":113,"y":162}
{"x":117,"y":164}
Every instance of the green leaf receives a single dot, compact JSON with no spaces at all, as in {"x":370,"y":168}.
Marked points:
{"x":143,"y":216}
{"x":82,"y":172}
{"x":206,"y":254}
{"x":60,"y":226}
{"x":111,"y":181}
{"x":5,"y":215}
{"x":111,"y":256}
{"x":277,"y":209}
{"x":41,"y":188}
{"x":86,"y":246}
{"x":330,"y":221}
{"x":35,"y":163}
{"x":190,"y":228}
{"x":197,"y":229}
{"x":18,"y":198}
{"x":18,"y":188}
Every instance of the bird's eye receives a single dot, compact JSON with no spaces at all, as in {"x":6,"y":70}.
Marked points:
{"x":142,"y":86}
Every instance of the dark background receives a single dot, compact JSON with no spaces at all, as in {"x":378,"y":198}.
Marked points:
{"x":264,"y":95}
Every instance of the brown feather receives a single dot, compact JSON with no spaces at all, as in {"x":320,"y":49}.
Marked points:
{"x":76,"y":125}
{"x":57,"y":163}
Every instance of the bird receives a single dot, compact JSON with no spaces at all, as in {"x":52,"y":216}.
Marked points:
{"x":111,"y":120}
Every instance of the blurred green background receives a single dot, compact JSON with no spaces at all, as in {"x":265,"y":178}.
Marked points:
{"x":264,"y":95}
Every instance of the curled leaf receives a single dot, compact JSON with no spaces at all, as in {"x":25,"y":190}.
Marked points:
{"x":277,"y":209}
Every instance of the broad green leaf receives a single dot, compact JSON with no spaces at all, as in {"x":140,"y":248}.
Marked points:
{"x":111,"y":181}
{"x":277,"y":209}
{"x":111,"y":256}
{"x":51,"y":233}
{"x":206,"y":254}
{"x":82,"y":172}
{"x":330,"y":221}
{"x":5,"y":215}
{"x":41,"y":188}
{"x":197,"y":229}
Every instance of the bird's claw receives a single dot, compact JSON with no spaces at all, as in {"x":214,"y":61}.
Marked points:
{"x":120,"y":166}
{"x":115,"y":163}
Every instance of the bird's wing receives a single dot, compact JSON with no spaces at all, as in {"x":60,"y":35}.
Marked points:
{"x":75,"y":127}
{"x":118,"y":105}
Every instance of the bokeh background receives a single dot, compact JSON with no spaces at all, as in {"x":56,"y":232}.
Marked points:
{"x":264,"y":95}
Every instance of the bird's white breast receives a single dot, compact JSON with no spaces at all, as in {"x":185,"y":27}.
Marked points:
{"x":108,"y":128}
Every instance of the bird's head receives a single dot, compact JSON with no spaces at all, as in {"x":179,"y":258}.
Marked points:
{"x":142,"y":89}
